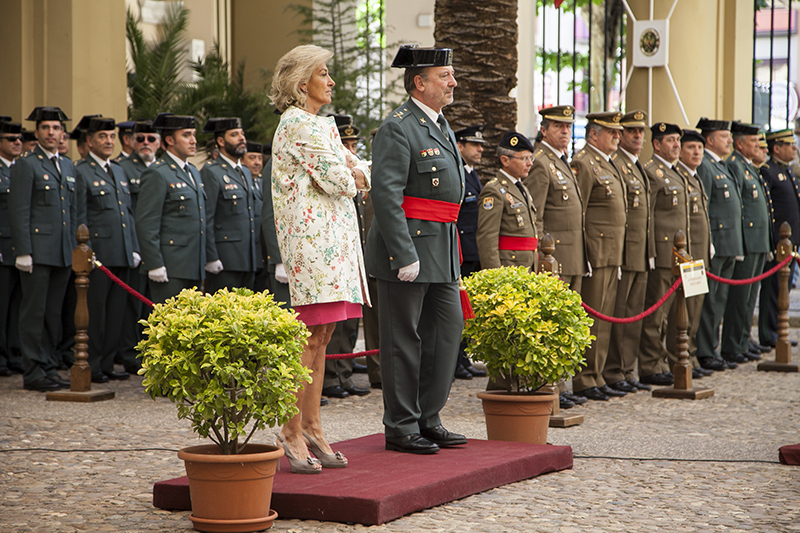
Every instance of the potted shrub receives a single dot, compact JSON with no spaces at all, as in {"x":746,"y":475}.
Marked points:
{"x":231,"y":364}
{"x":530,"y":330}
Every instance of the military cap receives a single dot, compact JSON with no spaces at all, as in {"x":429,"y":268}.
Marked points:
{"x":144,"y":126}
{"x":705,"y":124}
{"x":341,"y":120}
{"x":348,"y":131}
{"x":5,"y":118}
{"x":559,"y":113}
{"x":10,"y":127}
{"x":782,"y":136}
{"x":739,"y":128}
{"x":515,"y":141}
{"x":267,"y":150}
{"x":125,"y":128}
{"x":634,"y":119}
{"x":762,"y":140}
{"x":42,"y":113}
{"x":81,"y":127}
{"x":254,"y":147}
{"x":662,"y":129}
{"x":470,"y":134}
{"x":692,"y":136}
{"x":410,"y":55}
{"x":28,"y":136}
{"x":221,"y":125}
{"x":100,"y":124}
{"x":171,"y":122}
{"x":609,"y":119}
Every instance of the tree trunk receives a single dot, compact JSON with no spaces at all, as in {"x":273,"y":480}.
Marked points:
{"x":483,"y":36}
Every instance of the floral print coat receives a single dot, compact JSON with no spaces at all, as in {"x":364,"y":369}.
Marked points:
{"x":315,"y":216}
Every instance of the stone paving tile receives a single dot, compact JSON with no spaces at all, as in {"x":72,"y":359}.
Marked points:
{"x":751,"y":415}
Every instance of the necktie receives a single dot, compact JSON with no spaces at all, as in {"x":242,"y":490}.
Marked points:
{"x":564,"y":159}
{"x":110,"y":172}
{"x":54,"y":159}
{"x":241,"y":175}
{"x":442,"y":123}
{"x":186,"y":171}
{"x":521,"y":189}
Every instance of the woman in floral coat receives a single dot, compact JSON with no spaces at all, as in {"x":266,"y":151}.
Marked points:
{"x":314,"y":180}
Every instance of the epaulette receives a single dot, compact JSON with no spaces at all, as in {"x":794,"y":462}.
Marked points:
{"x":400,"y":114}
{"x":538,"y":152}
{"x":79,"y":163}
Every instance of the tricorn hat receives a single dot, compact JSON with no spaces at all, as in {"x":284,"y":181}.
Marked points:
{"x":144,"y":126}
{"x":221,"y":125}
{"x":170,"y":122}
{"x":42,"y":113}
{"x":410,"y":55}
{"x":705,"y":124}
{"x":10,"y":127}
{"x":81,"y":127}
{"x":254,"y":147}
{"x":125,"y":128}
{"x":470,"y":134}
{"x":341,"y":120}
{"x":740,"y":128}
{"x":100,"y":124}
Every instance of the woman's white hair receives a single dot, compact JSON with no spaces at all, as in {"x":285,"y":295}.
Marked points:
{"x":296,"y":67}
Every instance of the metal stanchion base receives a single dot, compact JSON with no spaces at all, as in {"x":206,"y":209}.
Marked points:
{"x":683,"y":394}
{"x":565,"y":421}
{"x":772,"y":366}
{"x":87,"y":396}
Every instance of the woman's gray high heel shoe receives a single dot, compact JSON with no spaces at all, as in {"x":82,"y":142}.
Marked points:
{"x":328,"y":460}
{"x":299,"y":466}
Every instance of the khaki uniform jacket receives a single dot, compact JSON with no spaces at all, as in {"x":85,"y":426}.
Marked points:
{"x":670,"y":202}
{"x":559,"y":209}
{"x":756,"y":205}
{"x":639,"y":236}
{"x":502,"y":210}
{"x":604,"y":206}
{"x":724,"y":207}
{"x":699,"y":238}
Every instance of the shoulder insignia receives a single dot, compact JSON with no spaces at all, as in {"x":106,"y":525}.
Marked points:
{"x":93,"y":164}
{"x":488,"y":203}
{"x":224,"y":165}
{"x":422,"y":121}
{"x":399,"y":114}
{"x":538,"y":152}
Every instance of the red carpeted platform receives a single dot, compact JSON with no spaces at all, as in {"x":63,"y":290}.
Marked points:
{"x":379,"y":486}
{"x":789,"y":455}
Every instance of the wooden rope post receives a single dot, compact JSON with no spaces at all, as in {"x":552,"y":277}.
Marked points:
{"x":547,"y":264}
{"x":81,"y":373}
{"x":783,"y":347}
{"x":682,"y":371}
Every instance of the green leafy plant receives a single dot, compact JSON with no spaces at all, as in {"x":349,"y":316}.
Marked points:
{"x":528,"y":327}
{"x":227,"y":360}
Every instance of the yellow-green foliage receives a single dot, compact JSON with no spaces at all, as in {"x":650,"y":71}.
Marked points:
{"x":225,"y":360}
{"x":528,"y":326}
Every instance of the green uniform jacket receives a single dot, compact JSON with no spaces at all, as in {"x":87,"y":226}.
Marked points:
{"x":559,"y":210}
{"x":230,"y":216}
{"x":639,"y":234}
{"x":170,"y":220}
{"x":258,"y":207}
{"x":670,"y":201}
{"x":413,"y":157}
{"x":756,"y":205}
{"x":502,"y":210}
{"x":42,"y":209}
{"x":273,"y":253}
{"x":6,"y":249}
{"x":604,"y":207}
{"x":133,"y":167}
{"x":699,"y":229}
{"x":724,"y":207}
{"x":104,"y":205}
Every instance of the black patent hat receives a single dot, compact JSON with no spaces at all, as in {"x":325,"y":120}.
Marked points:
{"x":410,"y":55}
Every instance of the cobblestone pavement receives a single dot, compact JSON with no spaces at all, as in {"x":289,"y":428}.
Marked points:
{"x":626,"y":476}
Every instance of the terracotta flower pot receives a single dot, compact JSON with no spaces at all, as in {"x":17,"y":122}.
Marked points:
{"x":517,"y":417}
{"x":231,"y":492}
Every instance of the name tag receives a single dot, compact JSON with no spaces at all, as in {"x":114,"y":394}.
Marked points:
{"x":70,"y":179}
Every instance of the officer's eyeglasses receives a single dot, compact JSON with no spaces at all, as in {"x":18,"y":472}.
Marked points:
{"x":527,"y":159}
{"x":12,"y":138}
{"x":150,"y":138}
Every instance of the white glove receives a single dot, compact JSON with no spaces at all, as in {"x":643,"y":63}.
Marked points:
{"x":770,"y":256}
{"x":739,"y":258}
{"x":24,"y":263}
{"x":137,"y":259}
{"x":588,"y":274}
{"x":711,"y":251}
{"x":619,"y":273}
{"x":652,"y":262}
{"x":409,"y":272}
{"x":214,"y":267}
{"x":280,"y":273}
{"x":159,"y":275}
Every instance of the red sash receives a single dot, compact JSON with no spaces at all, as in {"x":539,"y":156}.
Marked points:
{"x":517,"y":243}
{"x":432,"y":210}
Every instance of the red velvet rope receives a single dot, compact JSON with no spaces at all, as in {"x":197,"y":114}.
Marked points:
{"x":122,"y":284}
{"x":640,"y":316}
{"x":351,"y":355}
{"x":756,"y":279}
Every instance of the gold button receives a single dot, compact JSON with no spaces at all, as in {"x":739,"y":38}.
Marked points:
{"x":36,"y":230}
{"x":47,"y":187}
{"x":170,"y":241}
{"x":601,"y":234}
{"x":64,"y":223}
{"x":123,"y":224}
{"x":433,"y":169}
{"x":418,"y":232}
{"x":120,"y":202}
{"x":391,"y":258}
{"x":666,"y":238}
{"x":720,"y":225}
{"x":182,"y":198}
{"x":225,"y":237}
{"x":751,"y":224}
{"x":558,"y":241}
{"x":102,"y":193}
{"x":513,"y":256}
{"x":234,"y":197}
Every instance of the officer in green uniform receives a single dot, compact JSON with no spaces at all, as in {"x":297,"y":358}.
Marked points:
{"x":278,"y":280}
{"x":556,"y":196}
{"x":146,"y":141}
{"x":757,"y":236}
{"x":640,"y":252}
{"x":10,"y":289}
{"x":125,"y":134}
{"x":104,"y":205}
{"x":254,"y":160}
{"x":412,"y":248}
{"x":725,"y":217}
{"x":230,"y":203}
{"x":43,"y":218}
{"x":170,"y":213}
{"x":699,"y":242}
{"x":78,"y":134}
{"x":603,"y":192}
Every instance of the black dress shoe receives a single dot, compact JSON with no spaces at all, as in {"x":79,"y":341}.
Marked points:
{"x":476,"y":372}
{"x":712,"y":363}
{"x":413,"y":443}
{"x":696,"y":374}
{"x":359,"y":369}
{"x":99,"y":377}
{"x":753,"y":356}
{"x":574,"y":398}
{"x":623,"y":386}
{"x":611,"y":393}
{"x":662,"y":379}
{"x":42,"y":385}
{"x":132,"y":369}
{"x":641,"y":386}
{"x":441,"y":437}
{"x":565,"y":403}
{"x":323,"y":402}
{"x":5,"y":372}
{"x":794,"y":343}
{"x":352,"y":390}
{"x":16,"y":368}
{"x":704,"y":371}
{"x":378,"y":385}
{"x":760,"y":347}
{"x":734,"y":358}
{"x":461,"y":373}
{"x":335,"y":392}
{"x":117,"y":376}
{"x":593,"y":393}
{"x":58,"y":380}
{"x":730,"y":364}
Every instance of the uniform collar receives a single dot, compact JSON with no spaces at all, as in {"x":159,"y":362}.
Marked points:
{"x":433,"y":115}
{"x":656,"y":156}
{"x":633,"y":158}
{"x":689,"y":170}
{"x":181,"y":162}
{"x":100,"y":162}
{"x":713,"y":156}
{"x":6,"y":161}
{"x":509,"y":176}
{"x":604,"y":156}
{"x":558,"y":154}
{"x":231,"y":163}
{"x":50,"y":155}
